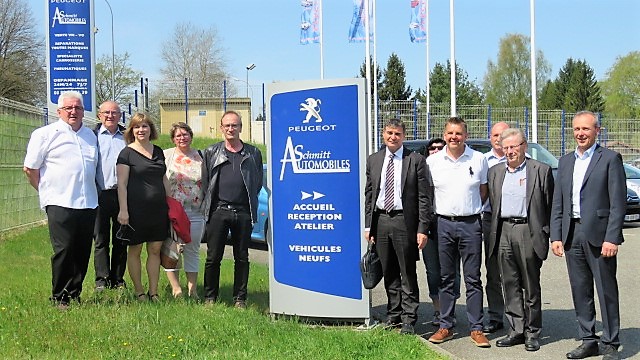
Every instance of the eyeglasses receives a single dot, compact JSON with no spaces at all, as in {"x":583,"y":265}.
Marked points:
{"x":508,"y":148}
{"x":431,"y":148}
{"x":112,"y":113}
{"x":124,"y":232}
{"x":71,"y":108}
{"x":231,"y":126}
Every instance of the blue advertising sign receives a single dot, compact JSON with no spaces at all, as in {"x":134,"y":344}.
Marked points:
{"x":316,"y":190}
{"x":70,"y":50}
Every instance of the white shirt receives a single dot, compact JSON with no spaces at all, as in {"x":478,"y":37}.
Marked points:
{"x":492,"y":160}
{"x":579,"y":171}
{"x":397,"y":174}
{"x":110,"y":147}
{"x":67,"y":161}
{"x":457,"y":182}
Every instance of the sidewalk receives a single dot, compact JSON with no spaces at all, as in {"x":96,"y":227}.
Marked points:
{"x":559,"y":322}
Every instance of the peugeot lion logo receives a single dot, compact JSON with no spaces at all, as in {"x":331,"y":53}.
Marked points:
{"x":312,"y":107}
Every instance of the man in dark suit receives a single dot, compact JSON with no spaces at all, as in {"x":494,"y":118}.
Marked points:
{"x":586,"y":227}
{"x":520,"y":194}
{"x":398,"y":211}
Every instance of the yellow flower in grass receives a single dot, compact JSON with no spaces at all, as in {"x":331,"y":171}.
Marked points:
{"x":169,"y":337}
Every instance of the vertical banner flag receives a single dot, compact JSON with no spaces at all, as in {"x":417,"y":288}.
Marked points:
{"x":418,"y":23}
{"x":309,"y":27}
{"x":357,"y":29}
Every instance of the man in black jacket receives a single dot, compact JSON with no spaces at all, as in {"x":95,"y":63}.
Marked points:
{"x":232,"y":179}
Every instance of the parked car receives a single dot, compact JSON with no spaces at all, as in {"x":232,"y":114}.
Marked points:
{"x":260,"y":232}
{"x":632,"y":174}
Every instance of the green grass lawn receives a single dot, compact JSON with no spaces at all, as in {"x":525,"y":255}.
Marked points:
{"x":112,"y":325}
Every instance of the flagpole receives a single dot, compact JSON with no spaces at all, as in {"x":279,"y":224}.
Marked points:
{"x":534,"y":80}
{"x":452,"y":62}
{"x":375,"y":81}
{"x":373,"y":143}
{"x":321,"y":41}
{"x":428,"y":87}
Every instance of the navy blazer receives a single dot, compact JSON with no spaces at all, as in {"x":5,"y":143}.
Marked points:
{"x":603,"y":198}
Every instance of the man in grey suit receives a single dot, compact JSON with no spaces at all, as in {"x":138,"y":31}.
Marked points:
{"x":586,"y":227}
{"x":398,"y":210}
{"x":520,"y":194}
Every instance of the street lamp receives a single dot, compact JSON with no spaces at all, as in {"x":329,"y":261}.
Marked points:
{"x":113,"y":57}
{"x":249,"y":68}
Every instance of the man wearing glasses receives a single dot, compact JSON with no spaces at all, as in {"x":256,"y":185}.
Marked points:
{"x":109,"y":269}
{"x":61,"y":164}
{"x":231,"y":179}
{"x":520,"y":193}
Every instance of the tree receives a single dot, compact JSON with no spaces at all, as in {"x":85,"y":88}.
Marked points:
{"x":507,"y":82}
{"x":621,"y":87}
{"x":394,"y":85}
{"x":195,"y":54}
{"x":378,"y":73}
{"x":22,"y":65}
{"x":126,"y":79}
{"x":574,"y":89}
{"x":467,"y":92}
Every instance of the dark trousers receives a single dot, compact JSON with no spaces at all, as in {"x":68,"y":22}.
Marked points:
{"x":431,"y":260}
{"x":221,"y":222}
{"x":520,"y":268}
{"x":398,"y":260}
{"x":460,"y":240}
{"x":493,"y":286}
{"x":71,"y":232}
{"x":586,"y":265}
{"x":109,"y":269}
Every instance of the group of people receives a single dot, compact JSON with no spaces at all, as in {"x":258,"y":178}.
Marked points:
{"x":450,"y":203}
{"x":111,"y":184}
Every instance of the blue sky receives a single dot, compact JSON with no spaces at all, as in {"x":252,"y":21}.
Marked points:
{"x":267,"y":33}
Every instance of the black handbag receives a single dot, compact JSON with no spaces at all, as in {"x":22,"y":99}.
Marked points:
{"x":371,"y":267}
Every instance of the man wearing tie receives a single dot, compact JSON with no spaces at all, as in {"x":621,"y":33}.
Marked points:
{"x":589,"y":203}
{"x":398,"y":211}
{"x":520,"y":194}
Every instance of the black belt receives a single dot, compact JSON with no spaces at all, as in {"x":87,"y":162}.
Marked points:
{"x":233,"y":208}
{"x":391,"y":213}
{"x":460,"y":218}
{"x":575,"y":220}
{"x":515,"y":220}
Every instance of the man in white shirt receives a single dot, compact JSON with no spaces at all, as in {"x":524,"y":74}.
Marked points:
{"x":61,"y":164}
{"x":459,"y":176}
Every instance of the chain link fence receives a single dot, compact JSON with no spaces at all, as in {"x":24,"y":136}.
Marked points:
{"x":19,"y":201}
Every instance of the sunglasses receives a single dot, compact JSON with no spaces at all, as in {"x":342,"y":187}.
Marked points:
{"x":436,"y":147}
{"x":124,"y":232}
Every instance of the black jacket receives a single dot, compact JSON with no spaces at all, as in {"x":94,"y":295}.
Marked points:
{"x":251,"y":169}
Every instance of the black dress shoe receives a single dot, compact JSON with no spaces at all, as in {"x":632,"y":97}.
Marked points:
{"x":610,"y":352}
{"x":510,"y":341}
{"x":407,"y":329}
{"x":391,"y":324}
{"x":583,"y":351}
{"x":532,"y":344}
{"x":492,"y":327}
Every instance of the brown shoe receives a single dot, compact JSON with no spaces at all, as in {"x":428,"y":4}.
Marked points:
{"x":478,"y":338}
{"x":441,"y":336}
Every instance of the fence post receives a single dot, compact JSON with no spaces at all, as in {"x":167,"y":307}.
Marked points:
{"x":562,"y":139}
{"x":415,"y":119}
{"x":45,"y":116}
{"x":224,"y":95}
{"x":489,"y":121}
{"x":186,"y":101}
{"x":526,"y":122}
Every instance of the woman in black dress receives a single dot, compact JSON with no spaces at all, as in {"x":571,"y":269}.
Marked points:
{"x":142,"y":189}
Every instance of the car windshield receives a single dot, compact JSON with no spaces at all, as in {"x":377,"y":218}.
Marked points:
{"x":541,"y":154}
{"x":631,"y":172}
